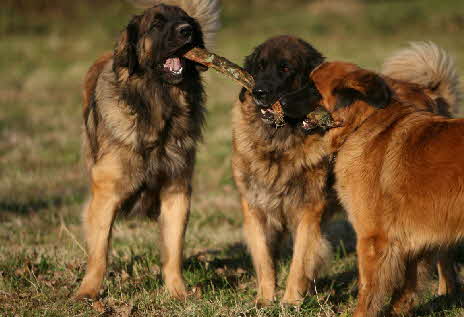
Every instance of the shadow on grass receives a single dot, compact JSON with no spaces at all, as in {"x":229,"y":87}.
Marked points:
{"x":439,"y":306}
{"x":226,"y":268}
{"x":31,"y":206}
{"x":28,"y":205}
{"x":340,"y":287}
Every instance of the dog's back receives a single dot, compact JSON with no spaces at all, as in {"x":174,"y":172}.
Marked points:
{"x":417,"y":175}
{"x":91,"y":79}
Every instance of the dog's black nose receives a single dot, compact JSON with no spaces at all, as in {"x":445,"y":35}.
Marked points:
{"x":185,"y":30}
{"x":260,"y":94}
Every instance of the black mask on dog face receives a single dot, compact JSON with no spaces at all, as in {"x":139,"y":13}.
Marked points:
{"x":279,"y":66}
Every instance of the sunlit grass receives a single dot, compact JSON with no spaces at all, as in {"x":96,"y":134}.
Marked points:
{"x":43,"y":186}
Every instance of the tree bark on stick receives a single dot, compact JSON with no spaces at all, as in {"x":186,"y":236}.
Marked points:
{"x":222,"y":65}
{"x":239,"y":75}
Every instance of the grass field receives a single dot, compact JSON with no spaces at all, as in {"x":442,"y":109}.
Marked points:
{"x":45,"y":52}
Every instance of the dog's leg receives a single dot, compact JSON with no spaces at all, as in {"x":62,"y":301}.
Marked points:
{"x":381,"y":267}
{"x":310,"y":250}
{"x":254,"y":228}
{"x":175,"y":209}
{"x":405,"y":297}
{"x":447,"y":277}
{"x":98,"y":219}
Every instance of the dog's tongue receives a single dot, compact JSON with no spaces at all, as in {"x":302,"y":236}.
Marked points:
{"x":173,"y":64}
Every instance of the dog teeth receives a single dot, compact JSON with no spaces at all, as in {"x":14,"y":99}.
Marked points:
{"x":178,"y":72}
{"x":263,"y":111}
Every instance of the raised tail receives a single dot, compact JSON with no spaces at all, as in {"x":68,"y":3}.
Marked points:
{"x":206,"y":12}
{"x":426,"y":64}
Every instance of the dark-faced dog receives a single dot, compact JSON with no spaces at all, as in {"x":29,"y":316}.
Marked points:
{"x":143,"y":116}
{"x":398,"y":175}
{"x":283,"y":173}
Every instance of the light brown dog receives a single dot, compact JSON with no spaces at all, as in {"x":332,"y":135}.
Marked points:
{"x":399,"y":175}
{"x":143,"y":115}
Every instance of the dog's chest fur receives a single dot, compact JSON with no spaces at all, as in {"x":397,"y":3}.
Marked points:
{"x":277,"y":177}
{"x":156,"y":127}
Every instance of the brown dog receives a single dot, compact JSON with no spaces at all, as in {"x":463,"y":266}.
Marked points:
{"x":398,"y":175}
{"x":283,"y":174}
{"x":143,"y":115}
{"x":280,"y":172}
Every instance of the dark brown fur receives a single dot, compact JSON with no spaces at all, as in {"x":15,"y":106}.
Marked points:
{"x":399,"y":177}
{"x":141,"y":128}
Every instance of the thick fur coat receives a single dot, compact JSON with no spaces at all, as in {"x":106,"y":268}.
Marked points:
{"x":284,"y":174}
{"x":143,"y":116}
{"x":397,"y":176}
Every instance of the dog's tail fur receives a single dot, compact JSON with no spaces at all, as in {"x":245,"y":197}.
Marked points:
{"x":206,"y":12}
{"x":426,"y":64}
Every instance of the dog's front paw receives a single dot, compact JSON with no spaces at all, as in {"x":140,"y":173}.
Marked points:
{"x":176,"y":288}
{"x":86,"y":293}
{"x":292,"y":298}
{"x":262,"y":302}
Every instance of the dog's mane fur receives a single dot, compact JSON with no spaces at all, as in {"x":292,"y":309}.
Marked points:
{"x":151,"y":119}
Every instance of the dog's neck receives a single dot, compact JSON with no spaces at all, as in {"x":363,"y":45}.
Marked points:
{"x":151,"y":96}
{"x":358,"y":118}
{"x":353,"y":118}
{"x":154,"y":104}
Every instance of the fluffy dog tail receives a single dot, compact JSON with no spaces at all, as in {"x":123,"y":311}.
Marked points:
{"x":426,"y":64}
{"x":206,"y":12}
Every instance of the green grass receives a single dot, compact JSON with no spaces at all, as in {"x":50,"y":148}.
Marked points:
{"x":44,"y":56}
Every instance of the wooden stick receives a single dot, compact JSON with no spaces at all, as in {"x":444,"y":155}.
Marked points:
{"x":222,"y":65}
{"x":318,"y":118}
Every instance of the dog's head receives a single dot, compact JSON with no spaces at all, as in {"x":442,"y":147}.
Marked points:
{"x":280,"y":65}
{"x":153,"y":44}
{"x":339,"y":87}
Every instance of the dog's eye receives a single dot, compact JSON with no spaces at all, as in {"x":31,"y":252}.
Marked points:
{"x":157,"y":25}
{"x":158,"y":22}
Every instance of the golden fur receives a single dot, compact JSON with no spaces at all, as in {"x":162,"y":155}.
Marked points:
{"x":398,"y":176}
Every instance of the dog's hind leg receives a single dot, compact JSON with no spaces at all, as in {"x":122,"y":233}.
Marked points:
{"x":381,"y":268}
{"x":447,"y":277}
{"x":405,"y":296}
{"x":98,"y":219}
{"x":259,"y":241}
{"x":310,"y":251}
{"x":175,"y":209}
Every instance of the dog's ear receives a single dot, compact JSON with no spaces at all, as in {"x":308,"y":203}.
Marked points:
{"x":251,"y":61}
{"x":362,"y":85}
{"x":249,"y":65}
{"x":312,"y":57}
{"x":125,"y":53}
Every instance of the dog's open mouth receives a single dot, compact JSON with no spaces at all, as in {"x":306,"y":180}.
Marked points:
{"x":267,"y":115}
{"x":174,"y":66}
